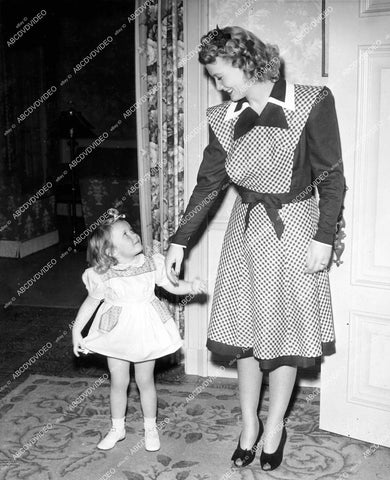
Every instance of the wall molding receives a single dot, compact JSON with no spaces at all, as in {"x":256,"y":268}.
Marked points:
{"x":369,"y":8}
{"x":195,"y":104}
{"x":367,"y":270}
{"x":369,"y":342}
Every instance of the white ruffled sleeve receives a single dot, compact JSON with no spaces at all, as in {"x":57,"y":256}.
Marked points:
{"x":161,"y":273}
{"x":94,"y":284}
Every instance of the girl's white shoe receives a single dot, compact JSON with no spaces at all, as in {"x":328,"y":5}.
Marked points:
{"x":113,"y":436}
{"x":152,"y":439}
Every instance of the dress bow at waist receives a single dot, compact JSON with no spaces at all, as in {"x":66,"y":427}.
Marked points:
{"x":272,"y":202}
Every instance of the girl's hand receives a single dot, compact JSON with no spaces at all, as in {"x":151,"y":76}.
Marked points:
{"x":174,"y":257}
{"x":78,"y":344}
{"x":318,"y":256}
{"x":198,"y":286}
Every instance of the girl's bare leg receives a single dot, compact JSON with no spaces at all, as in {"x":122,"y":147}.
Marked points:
{"x":120,"y":378}
{"x":145,"y":381}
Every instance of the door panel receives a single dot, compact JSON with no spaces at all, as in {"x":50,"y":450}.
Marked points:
{"x":355,"y":382}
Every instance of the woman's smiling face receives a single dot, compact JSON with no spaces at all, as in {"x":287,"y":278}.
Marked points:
{"x":228,"y":78}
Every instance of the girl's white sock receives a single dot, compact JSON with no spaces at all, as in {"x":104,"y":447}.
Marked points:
{"x":118,"y":423}
{"x":152,"y":439}
{"x":149,"y":423}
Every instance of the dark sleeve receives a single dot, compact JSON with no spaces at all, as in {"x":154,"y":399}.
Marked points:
{"x":324,"y":150}
{"x":212,"y":177}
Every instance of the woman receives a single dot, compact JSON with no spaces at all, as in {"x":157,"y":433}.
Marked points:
{"x":271,"y":308}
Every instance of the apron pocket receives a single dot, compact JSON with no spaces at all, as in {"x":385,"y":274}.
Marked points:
{"x":109,"y":319}
{"x":162,"y":310}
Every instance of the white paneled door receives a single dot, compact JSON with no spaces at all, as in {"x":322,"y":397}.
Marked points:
{"x":355,"y":383}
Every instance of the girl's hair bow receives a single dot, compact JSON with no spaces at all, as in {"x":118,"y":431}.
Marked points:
{"x":115,"y":215}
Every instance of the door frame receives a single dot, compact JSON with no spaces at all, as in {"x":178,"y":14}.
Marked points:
{"x":195,"y":22}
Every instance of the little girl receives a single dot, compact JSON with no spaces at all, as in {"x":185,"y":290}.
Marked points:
{"x":132,"y":324}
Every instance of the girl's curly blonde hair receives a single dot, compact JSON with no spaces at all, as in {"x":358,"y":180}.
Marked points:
{"x":258,"y":60}
{"x":100,"y":247}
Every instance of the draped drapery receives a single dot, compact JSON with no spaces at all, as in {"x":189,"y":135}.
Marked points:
{"x":160,"y":119}
{"x":23,"y":127}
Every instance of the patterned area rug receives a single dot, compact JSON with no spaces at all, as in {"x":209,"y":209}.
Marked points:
{"x":50,"y":427}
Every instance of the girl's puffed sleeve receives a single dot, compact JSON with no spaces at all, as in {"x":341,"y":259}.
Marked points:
{"x":94,"y":284}
{"x":161,"y":272}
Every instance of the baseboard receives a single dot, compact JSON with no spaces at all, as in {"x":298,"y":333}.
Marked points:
{"x":20,"y":249}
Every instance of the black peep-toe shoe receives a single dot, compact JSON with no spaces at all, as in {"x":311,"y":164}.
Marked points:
{"x":270,"y":461}
{"x":247,"y":456}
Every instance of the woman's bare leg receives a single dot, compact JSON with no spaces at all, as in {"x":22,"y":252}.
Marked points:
{"x":281,"y":384}
{"x":250,"y":378}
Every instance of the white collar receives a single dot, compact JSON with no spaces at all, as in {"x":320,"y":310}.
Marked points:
{"x":288,"y":103}
{"x":289,"y":100}
{"x":231,"y":113}
{"x":137,"y":262}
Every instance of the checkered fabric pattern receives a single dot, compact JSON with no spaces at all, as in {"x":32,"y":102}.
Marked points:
{"x":223,"y":129}
{"x":268,"y":151}
{"x":263,"y":299}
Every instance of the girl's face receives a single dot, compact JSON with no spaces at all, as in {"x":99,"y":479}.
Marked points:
{"x":229,"y":78}
{"x":125,"y":242}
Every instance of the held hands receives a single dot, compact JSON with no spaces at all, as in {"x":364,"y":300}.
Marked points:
{"x":318,"y":257}
{"x":173,"y":261}
{"x":198,"y":286}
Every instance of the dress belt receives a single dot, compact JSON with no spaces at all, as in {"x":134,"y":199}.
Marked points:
{"x":272,"y":203}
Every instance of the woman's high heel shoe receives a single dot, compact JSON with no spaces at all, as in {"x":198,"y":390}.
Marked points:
{"x":270,"y":461}
{"x":247,"y":456}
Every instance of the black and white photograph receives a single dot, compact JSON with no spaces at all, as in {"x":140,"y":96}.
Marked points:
{"x":194,"y":239}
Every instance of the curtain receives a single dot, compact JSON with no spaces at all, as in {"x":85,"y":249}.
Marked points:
{"x":160,"y":118}
{"x":7,"y":143}
{"x":22,"y":82}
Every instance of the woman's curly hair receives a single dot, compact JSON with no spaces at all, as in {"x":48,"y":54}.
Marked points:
{"x":257,"y":59}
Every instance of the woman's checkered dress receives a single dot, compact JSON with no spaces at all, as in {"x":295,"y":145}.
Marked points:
{"x":264,"y":304}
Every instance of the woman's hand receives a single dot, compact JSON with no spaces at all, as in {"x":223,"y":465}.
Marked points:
{"x":174,"y":257}
{"x":318,"y":256}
